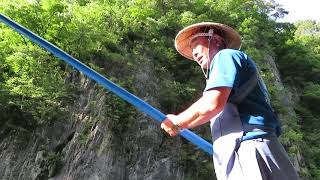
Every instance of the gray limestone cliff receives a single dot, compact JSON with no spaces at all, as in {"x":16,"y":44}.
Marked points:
{"x":93,"y":143}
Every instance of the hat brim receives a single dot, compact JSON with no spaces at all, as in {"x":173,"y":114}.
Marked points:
{"x":231,"y":37}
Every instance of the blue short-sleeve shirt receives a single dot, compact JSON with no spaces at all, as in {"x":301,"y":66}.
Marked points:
{"x":232,"y":68}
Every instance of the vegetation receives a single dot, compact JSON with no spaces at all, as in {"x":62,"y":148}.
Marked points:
{"x":299,"y":63}
{"x":118,"y":37}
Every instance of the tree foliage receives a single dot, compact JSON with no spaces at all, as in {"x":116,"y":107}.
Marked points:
{"x":303,"y":60}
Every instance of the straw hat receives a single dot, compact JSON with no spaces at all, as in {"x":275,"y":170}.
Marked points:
{"x":182,"y":40}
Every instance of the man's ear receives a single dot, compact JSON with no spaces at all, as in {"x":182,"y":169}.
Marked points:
{"x":215,"y":42}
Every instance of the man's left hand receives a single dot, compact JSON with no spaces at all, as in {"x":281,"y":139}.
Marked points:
{"x":169,"y":126}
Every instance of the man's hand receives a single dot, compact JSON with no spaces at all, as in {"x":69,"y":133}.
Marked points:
{"x":169,"y":126}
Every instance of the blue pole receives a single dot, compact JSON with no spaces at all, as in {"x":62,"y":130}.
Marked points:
{"x":122,"y":93}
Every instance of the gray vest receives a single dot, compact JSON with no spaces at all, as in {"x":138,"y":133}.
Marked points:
{"x":227,"y":129}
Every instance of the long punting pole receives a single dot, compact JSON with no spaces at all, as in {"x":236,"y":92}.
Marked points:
{"x":122,"y":93}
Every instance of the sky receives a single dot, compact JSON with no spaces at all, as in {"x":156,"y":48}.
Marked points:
{"x":300,"y":10}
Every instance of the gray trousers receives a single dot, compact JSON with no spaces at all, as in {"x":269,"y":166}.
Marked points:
{"x":258,"y":159}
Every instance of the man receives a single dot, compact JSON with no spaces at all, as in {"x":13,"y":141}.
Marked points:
{"x":243,"y":125}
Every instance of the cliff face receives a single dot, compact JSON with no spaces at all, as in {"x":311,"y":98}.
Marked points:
{"x":94,"y":144}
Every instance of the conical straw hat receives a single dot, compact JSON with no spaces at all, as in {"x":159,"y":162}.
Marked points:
{"x":231,"y":37}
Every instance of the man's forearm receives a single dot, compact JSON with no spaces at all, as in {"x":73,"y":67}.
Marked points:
{"x":199,"y":113}
{"x":203,"y":110}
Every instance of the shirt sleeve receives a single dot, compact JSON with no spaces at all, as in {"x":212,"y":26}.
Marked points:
{"x":223,"y":69}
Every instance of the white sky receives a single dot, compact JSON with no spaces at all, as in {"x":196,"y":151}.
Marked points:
{"x":300,"y":10}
